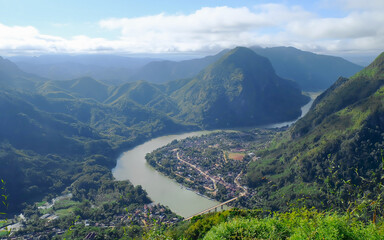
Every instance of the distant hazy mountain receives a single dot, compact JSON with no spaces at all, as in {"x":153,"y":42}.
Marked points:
{"x":83,"y":88}
{"x":164,"y":71}
{"x":311,"y":71}
{"x":146,"y":94}
{"x":108,"y":68}
{"x":239,"y":89}
{"x":333,"y":155}
{"x":11,"y":77}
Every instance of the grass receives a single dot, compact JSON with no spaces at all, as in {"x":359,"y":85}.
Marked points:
{"x":2,"y":223}
{"x":296,"y":224}
{"x":39,"y":204}
{"x":64,"y":207}
{"x":3,"y":234}
{"x":236,"y":156}
{"x":65,"y":203}
{"x":65,"y":212}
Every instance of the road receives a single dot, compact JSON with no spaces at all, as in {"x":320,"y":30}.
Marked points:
{"x":199,"y":170}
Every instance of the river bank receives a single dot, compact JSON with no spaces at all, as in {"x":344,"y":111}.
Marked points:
{"x":132,"y":166}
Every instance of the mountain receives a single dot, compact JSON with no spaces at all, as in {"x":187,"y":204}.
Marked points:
{"x":107,"y":68}
{"x":112,"y":69}
{"x":85,"y":87}
{"x":311,"y":71}
{"x":164,"y":71}
{"x":11,"y":77}
{"x":146,"y":94}
{"x":240,"y":89}
{"x":50,"y":131}
{"x":333,"y":155}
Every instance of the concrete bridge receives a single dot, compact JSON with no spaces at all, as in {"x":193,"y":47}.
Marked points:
{"x":211,"y":209}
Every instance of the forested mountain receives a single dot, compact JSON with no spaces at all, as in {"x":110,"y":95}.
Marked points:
{"x":55,"y":129}
{"x":64,"y":125}
{"x":11,"y":77}
{"x":311,"y":71}
{"x":83,"y":88}
{"x":240,"y":89}
{"x":334,"y":155}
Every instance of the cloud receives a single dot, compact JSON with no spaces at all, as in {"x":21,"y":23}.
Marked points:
{"x":28,"y":40}
{"x":210,"y":29}
{"x":359,"y":30}
{"x":352,"y":26}
{"x":207,"y":28}
{"x":361,"y":5}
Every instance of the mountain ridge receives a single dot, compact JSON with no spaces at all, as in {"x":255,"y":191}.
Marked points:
{"x":311,"y":71}
{"x":333,"y":153}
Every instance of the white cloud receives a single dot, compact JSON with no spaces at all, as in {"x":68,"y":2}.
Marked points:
{"x":355,"y":25}
{"x":28,"y":40}
{"x":211,"y":29}
{"x":207,"y":28}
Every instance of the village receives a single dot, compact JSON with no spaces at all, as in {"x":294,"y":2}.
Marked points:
{"x":213,"y":165}
{"x":144,"y":216}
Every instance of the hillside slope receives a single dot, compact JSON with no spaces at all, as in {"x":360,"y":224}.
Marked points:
{"x":334,"y":154}
{"x":11,"y":77}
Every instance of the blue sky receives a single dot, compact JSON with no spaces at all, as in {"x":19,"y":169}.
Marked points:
{"x":338,"y":27}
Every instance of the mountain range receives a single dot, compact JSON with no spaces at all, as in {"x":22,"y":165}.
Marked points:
{"x":66,"y":125}
{"x":311,"y":71}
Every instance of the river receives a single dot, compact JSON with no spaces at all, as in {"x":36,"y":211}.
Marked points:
{"x":132,"y":166}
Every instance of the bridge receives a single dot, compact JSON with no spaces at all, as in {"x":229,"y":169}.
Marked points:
{"x":212,"y":208}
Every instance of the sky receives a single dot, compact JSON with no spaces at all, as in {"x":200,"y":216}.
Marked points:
{"x":334,"y":27}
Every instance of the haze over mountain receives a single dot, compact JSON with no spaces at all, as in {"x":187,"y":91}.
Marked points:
{"x":164,"y":71}
{"x":11,"y":77}
{"x":112,"y":69}
{"x":333,"y":154}
{"x":311,"y":71}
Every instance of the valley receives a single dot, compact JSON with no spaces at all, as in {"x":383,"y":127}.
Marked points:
{"x":191,"y":120}
{"x":65,"y":137}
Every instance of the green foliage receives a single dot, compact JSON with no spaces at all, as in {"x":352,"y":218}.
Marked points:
{"x":332,"y":156}
{"x":3,"y":209}
{"x":4,"y":198}
{"x":300,"y":223}
{"x":248,"y":229}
